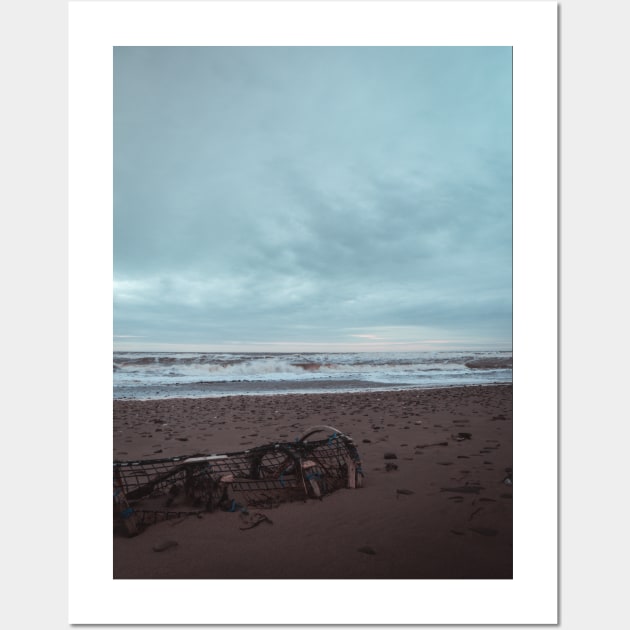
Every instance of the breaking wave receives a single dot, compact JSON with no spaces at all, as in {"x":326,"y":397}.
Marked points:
{"x":141,"y":370}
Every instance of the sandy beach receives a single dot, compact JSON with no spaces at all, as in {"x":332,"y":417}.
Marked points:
{"x":439,"y":506}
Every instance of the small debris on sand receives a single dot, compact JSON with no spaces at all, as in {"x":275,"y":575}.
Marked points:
{"x":463,"y":436}
{"x":256,"y":520}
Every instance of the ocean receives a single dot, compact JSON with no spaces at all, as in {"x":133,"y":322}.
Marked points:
{"x":156,"y":375}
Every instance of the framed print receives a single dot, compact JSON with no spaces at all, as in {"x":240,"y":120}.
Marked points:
{"x":319,"y":241}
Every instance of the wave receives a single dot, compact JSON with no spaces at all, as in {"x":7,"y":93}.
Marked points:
{"x":167,"y":369}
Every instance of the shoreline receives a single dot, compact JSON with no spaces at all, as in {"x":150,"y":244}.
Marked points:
{"x":453,"y":520}
{"x":286,"y":388}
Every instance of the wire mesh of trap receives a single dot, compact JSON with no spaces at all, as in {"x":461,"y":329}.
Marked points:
{"x":149,"y":491}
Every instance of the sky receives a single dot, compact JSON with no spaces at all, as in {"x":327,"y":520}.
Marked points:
{"x":312,"y":198}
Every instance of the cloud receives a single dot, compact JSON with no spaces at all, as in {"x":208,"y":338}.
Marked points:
{"x":269,"y":194}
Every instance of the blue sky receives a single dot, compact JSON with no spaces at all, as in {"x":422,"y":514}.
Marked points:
{"x":312,"y":198}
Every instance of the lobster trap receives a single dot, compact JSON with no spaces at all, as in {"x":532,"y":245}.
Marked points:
{"x":149,"y":491}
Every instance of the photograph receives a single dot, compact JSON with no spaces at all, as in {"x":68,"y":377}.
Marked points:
{"x":312,"y":292}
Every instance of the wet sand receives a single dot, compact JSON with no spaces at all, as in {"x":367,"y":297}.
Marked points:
{"x":441,"y":508}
